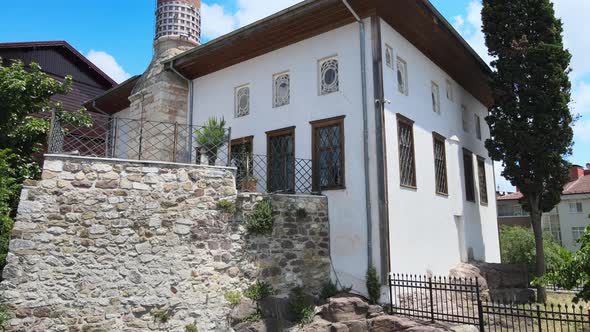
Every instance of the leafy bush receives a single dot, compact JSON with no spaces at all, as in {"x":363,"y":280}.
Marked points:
{"x":576,"y":272}
{"x":258,"y":291}
{"x":330,"y":290}
{"x":261,"y":220}
{"x":162,"y":315}
{"x":9,"y":190}
{"x":301,"y":306}
{"x":373,"y":285}
{"x":517,"y":246}
{"x":4,"y":316}
{"x":227,"y":206}
{"x":191,"y":328}
{"x":212,"y":135}
{"x":233,"y":298}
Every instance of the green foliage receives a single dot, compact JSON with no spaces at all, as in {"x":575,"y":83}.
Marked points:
{"x":261,"y":220}
{"x":227,"y":206}
{"x":233,"y":298}
{"x":9,"y":191}
{"x":255,"y":317}
{"x":212,"y":135}
{"x":24,"y":92}
{"x":517,"y":246}
{"x":301,"y":306}
{"x":191,"y":328}
{"x":4,"y":316}
{"x":162,"y":315}
{"x":258,"y":291}
{"x":530,"y":120}
{"x":576,"y":272}
{"x":330,"y":289}
{"x":373,"y":284}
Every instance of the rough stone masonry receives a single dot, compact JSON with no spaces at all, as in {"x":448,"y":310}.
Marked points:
{"x":110,"y":245}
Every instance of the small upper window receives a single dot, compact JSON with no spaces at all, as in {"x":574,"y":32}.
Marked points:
{"x":478,"y":127}
{"x":242,"y":101}
{"x":483,"y":184}
{"x":577,"y":233}
{"x":328,"y":75}
{"x":402,"y":76}
{"x":435,"y":95}
{"x":449,"y":90}
{"x":388,"y":56}
{"x":465,"y":118}
{"x":576,"y":207}
{"x":281,"y":87}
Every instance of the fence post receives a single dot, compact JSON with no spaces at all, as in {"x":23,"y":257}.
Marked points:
{"x":175,"y":141}
{"x":431,"y":298}
{"x":539,"y":318}
{"x":390,"y":295}
{"x":51,"y":133}
{"x":479,"y":305}
{"x":228,"y":163}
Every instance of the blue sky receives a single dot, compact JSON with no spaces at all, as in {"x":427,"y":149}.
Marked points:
{"x":117,"y":35}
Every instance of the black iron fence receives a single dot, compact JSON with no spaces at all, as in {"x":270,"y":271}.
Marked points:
{"x":461,"y":301}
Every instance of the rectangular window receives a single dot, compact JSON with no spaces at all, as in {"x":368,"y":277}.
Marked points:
{"x":478,"y":127}
{"x":469,"y":176}
{"x":449,"y":90}
{"x":402,"y":76}
{"x":465,"y":118}
{"x":577,"y":233}
{"x":328,"y":153}
{"x":576,"y":207}
{"x":328,"y":71}
{"x":388,"y":56}
{"x":242,"y":101}
{"x":483,"y":185}
{"x":407,"y":162}
{"x":435,"y":95}
{"x":281,"y":89}
{"x":440,"y":165}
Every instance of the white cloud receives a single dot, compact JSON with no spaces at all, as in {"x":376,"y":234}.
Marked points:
{"x":218,"y":21}
{"x":582,"y":132}
{"x":501,"y":183}
{"x":109,"y":65}
{"x":469,"y":26}
{"x":574,"y":14}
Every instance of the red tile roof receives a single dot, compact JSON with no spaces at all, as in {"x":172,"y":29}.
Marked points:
{"x":580,"y":186}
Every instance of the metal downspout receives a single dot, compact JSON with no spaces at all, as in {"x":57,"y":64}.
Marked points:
{"x":365,"y":133}
{"x":191,"y":91}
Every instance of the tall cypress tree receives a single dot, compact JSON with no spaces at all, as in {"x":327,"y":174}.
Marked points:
{"x":530,"y":120}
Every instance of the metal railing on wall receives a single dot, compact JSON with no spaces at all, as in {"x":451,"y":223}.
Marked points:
{"x":133,"y":139}
{"x":116,"y":137}
{"x":460,"y":300}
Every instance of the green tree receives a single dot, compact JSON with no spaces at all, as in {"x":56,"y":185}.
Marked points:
{"x":517,"y":246}
{"x":25,"y":106}
{"x":530,"y":121}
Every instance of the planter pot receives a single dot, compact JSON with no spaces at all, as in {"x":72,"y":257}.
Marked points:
{"x":249,"y":185}
{"x":207,"y":156}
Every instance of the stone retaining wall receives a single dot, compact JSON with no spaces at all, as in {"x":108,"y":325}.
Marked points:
{"x":103,"y":245}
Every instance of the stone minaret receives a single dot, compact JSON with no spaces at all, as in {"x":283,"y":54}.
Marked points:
{"x":161,"y":95}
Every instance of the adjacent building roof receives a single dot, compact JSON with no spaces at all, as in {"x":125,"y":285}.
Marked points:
{"x":115,"y":99}
{"x":74,"y":55}
{"x":417,"y":20}
{"x":580,"y":186}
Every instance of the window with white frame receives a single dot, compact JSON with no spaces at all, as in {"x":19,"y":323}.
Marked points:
{"x":402,"y":76}
{"x":577,"y":233}
{"x":388,"y":56}
{"x":242,"y":101}
{"x":576,"y":207}
{"x":477,"y":127}
{"x":449,"y":90}
{"x":328,"y":69}
{"x":551,"y":225}
{"x":435,"y":95}
{"x":281,"y":89}
{"x":465,"y":118}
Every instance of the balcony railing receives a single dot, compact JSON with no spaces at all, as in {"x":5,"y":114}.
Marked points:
{"x":121,"y":138}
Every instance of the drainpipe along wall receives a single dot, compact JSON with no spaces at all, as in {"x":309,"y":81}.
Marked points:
{"x":365,"y":133}
{"x":189,"y":121}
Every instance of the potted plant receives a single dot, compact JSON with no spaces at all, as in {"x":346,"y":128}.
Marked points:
{"x":210,"y":138}
{"x":249,"y":183}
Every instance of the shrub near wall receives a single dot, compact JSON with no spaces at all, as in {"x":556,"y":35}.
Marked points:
{"x":112,"y":246}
